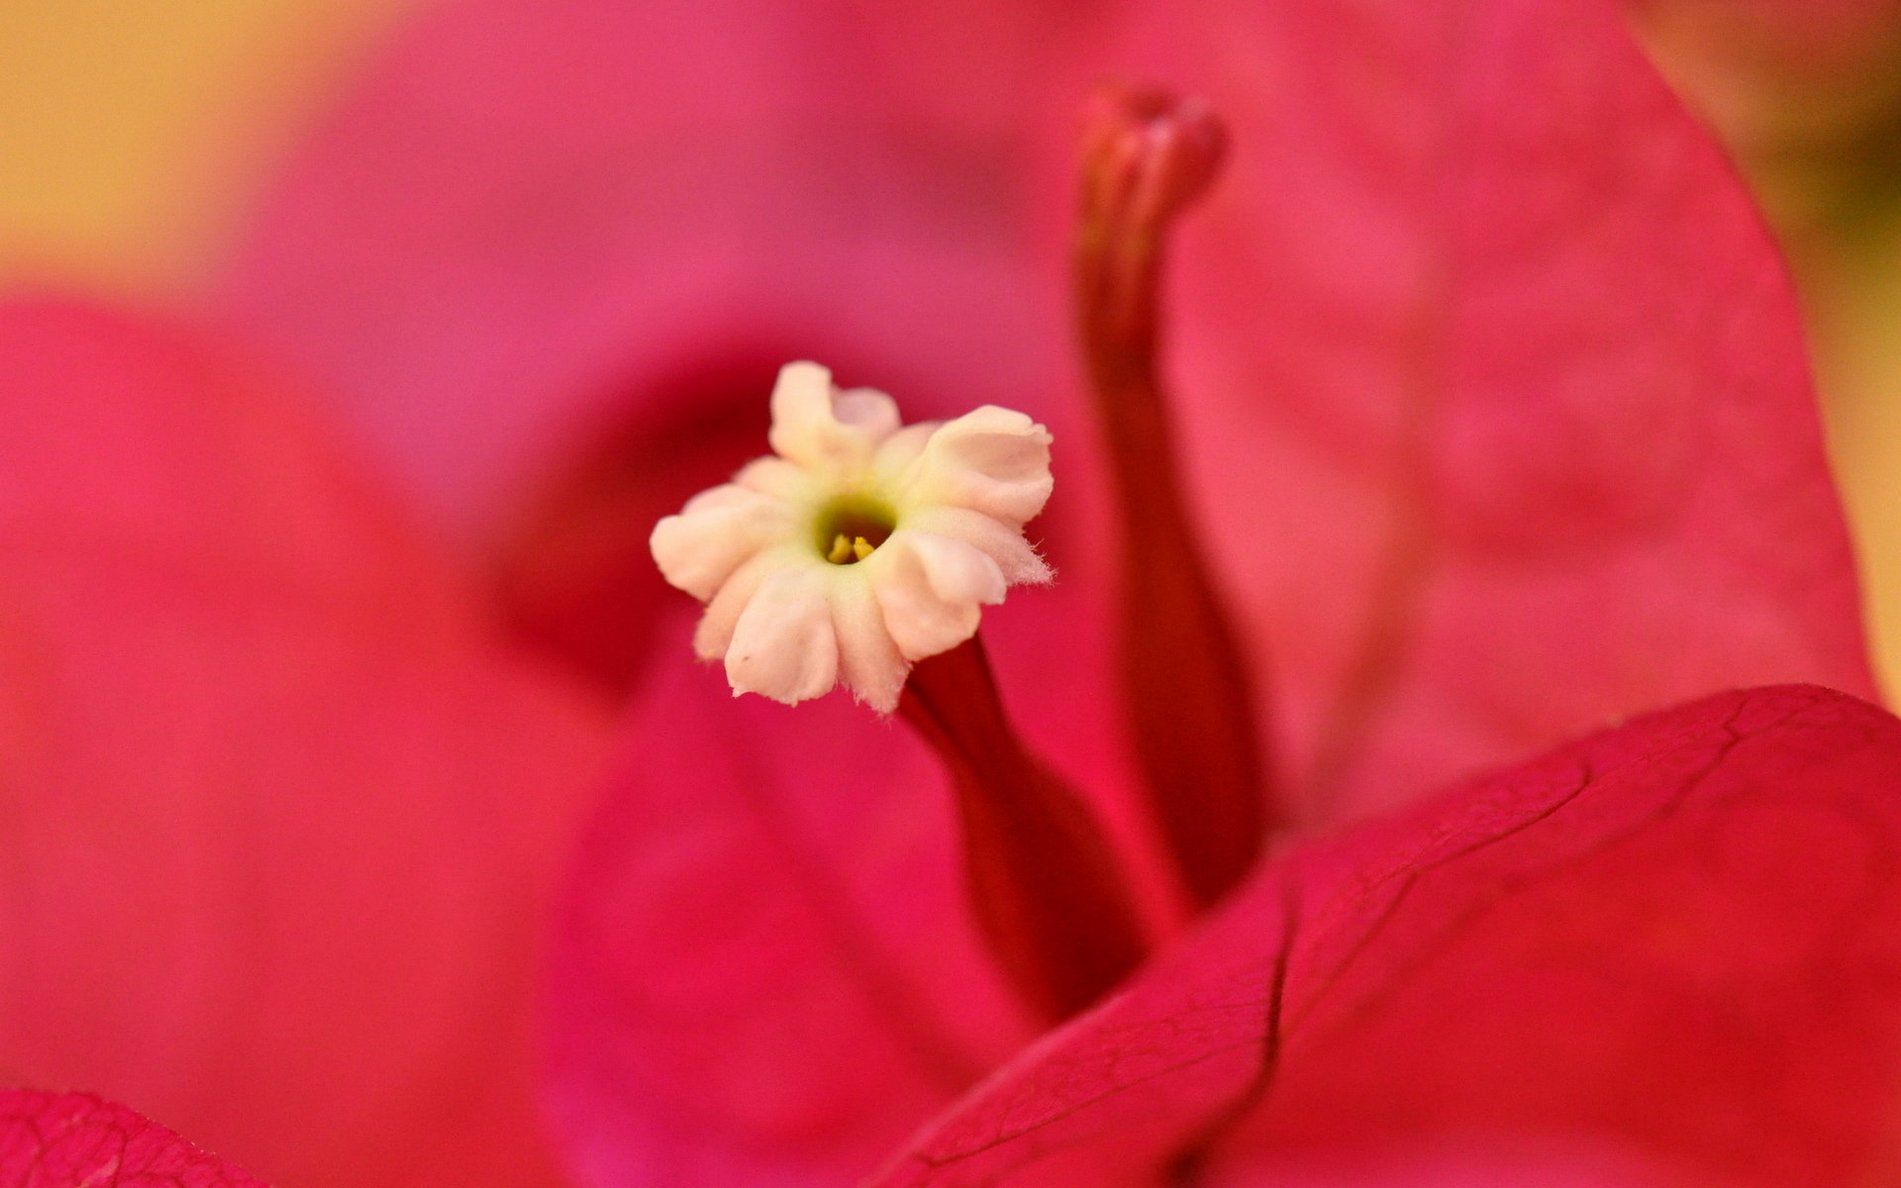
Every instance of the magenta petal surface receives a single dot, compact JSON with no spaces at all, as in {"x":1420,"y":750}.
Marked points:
{"x":1670,"y":953}
{"x":764,"y":974}
{"x":767,"y":972}
{"x":76,"y":1140}
{"x":1497,"y":406}
{"x":280,"y":815}
{"x":528,"y":215}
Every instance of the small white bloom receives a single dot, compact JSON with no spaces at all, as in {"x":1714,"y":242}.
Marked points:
{"x":862,"y":546}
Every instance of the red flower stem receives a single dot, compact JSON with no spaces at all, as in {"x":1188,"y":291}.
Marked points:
{"x":1186,"y":691}
{"x":1045,"y":885}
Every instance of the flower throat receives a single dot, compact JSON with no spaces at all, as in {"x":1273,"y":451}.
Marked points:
{"x":850,"y":531}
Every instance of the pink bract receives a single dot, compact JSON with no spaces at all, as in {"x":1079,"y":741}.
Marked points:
{"x":1495,"y":389}
{"x":1671,"y":948}
{"x":281,"y":814}
{"x":75,"y":1140}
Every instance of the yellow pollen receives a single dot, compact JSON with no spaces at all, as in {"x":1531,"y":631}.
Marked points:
{"x":846,"y":550}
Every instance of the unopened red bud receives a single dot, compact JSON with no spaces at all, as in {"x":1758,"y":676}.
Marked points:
{"x":1147,"y":155}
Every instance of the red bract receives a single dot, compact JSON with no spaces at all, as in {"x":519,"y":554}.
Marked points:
{"x":75,"y":1140}
{"x":1672,"y":951}
{"x":1490,"y":374}
{"x":280,"y":814}
{"x":1494,"y":416}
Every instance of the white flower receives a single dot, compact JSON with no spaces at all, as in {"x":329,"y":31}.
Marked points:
{"x":862,"y":546}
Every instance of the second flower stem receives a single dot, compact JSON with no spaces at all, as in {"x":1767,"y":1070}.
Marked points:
{"x":1046,"y":887}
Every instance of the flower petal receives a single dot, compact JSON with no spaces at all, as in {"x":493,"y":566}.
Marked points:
{"x":280,"y":814}
{"x":932,"y":590}
{"x":992,"y":460}
{"x":718,"y":531}
{"x":868,"y":658}
{"x":1675,"y":941}
{"x":1014,"y":556}
{"x":713,"y":635}
{"x":820,"y":427}
{"x":776,"y":477}
{"x":784,"y":644}
{"x":75,"y":1140}
{"x":897,"y":452}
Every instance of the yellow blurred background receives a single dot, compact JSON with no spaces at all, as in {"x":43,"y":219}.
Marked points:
{"x":1807,"y":97}
{"x":136,"y":132}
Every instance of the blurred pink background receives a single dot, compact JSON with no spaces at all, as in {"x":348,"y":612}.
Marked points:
{"x":137,"y":135}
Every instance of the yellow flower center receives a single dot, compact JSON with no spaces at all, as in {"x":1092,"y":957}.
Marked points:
{"x":851,"y":530}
